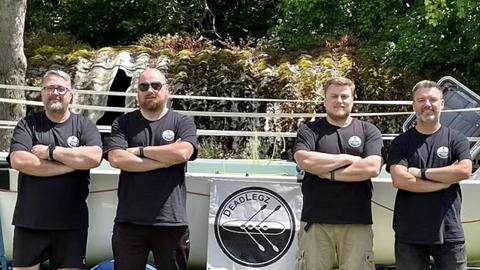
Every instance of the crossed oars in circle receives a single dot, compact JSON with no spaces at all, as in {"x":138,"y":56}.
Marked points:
{"x":258,"y":228}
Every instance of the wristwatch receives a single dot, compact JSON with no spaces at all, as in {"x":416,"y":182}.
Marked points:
{"x":51,"y":147}
{"x":332,"y":176}
{"x":423,"y":173}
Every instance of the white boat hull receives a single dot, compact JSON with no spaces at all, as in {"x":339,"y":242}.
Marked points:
{"x":103,"y":201}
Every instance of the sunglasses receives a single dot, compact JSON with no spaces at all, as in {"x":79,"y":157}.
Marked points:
{"x":60,"y":89}
{"x":157,"y":86}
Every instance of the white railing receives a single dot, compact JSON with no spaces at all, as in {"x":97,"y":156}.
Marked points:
{"x":106,"y":129}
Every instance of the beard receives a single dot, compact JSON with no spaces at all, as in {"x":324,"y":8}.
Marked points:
{"x":55,"y":107}
{"x":152,"y":104}
{"x":339,"y":115}
{"x":434,"y":117}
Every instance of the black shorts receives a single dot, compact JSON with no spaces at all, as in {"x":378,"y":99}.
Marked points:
{"x":131,"y":245}
{"x":63,"y":248}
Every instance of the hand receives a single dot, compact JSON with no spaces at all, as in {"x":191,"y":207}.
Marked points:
{"x":415,"y":172}
{"x":133,"y":150}
{"x":41,"y":151}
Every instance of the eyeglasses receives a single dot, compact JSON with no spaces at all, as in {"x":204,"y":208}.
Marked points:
{"x":60,"y":89}
{"x":157,"y":86}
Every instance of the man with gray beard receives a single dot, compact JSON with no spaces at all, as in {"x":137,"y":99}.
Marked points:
{"x":151,"y":147}
{"x":339,"y":155}
{"x":427,"y":163}
{"x":53,"y":151}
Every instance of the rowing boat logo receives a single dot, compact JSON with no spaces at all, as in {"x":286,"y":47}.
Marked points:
{"x":254,"y":227}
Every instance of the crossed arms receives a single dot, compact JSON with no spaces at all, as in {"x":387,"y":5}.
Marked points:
{"x":440,"y":178}
{"x":36,"y":162}
{"x":155,"y":157}
{"x":346,"y":168}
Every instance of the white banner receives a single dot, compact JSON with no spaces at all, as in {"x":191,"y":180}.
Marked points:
{"x":253,"y":224}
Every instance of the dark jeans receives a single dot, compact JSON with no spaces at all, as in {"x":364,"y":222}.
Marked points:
{"x":448,"y":256}
{"x":132,"y":243}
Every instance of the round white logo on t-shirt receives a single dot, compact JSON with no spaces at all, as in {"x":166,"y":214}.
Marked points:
{"x":73,"y":141}
{"x":355,"y":141}
{"x":168,"y":135}
{"x":443,"y":152}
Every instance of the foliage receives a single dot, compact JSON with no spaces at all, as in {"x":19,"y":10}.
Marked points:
{"x":61,"y":42}
{"x":437,"y":9}
{"x":117,"y":22}
{"x":198,"y":68}
{"x":242,"y":19}
{"x":449,"y":48}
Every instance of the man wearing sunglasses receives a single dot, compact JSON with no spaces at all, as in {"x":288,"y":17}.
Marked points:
{"x":151,"y":147}
{"x":53,"y":151}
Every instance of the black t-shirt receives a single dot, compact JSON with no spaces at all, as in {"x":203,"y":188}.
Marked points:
{"x":56,"y":202}
{"x":338,"y":202}
{"x":434,"y":217}
{"x":156,"y":197}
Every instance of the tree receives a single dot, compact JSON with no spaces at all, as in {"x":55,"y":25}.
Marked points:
{"x":437,"y":9}
{"x":13,"y":63}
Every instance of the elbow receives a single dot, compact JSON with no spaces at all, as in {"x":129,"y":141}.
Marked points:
{"x":92,"y":161}
{"x":114,"y":163}
{"x":114,"y":160}
{"x":17,"y":164}
{"x":304,"y":165}
{"x":466,"y":173}
{"x":95,"y":160}
{"x":374,"y":171}
{"x":182,"y":155}
{"x":398,"y":184}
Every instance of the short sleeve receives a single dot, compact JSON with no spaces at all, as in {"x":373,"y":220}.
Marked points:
{"x":22,"y":138}
{"x":396,"y":154}
{"x":373,"y":142}
{"x":117,"y":136}
{"x":90,"y":134}
{"x":305,"y":139}
{"x":187,"y":132}
{"x":461,"y":148}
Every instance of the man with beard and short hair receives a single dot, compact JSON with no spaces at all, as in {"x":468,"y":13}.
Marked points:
{"x":339,"y":155}
{"x":427,"y":163}
{"x":151,"y":147}
{"x":53,"y":151}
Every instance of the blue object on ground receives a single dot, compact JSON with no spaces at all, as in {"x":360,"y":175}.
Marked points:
{"x":381,"y":267}
{"x":108,"y":265}
{"x":3,"y":256}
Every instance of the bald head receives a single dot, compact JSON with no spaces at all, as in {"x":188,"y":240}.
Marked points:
{"x":150,"y":74}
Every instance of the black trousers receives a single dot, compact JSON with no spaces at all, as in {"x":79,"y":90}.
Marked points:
{"x":132,"y":243}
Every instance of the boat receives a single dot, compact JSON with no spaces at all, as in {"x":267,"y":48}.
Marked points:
{"x":102,"y":200}
{"x":102,"y":203}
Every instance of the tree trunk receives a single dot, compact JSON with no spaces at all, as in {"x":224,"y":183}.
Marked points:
{"x":13,"y":63}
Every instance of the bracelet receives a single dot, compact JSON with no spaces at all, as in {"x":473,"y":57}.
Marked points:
{"x":51,"y":148}
{"x":423,"y":174}
{"x":140,"y":150}
{"x":332,"y":176}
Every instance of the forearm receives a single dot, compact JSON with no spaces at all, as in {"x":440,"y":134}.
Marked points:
{"x":359,"y":171}
{"x":320,"y":163}
{"x":125,"y":161}
{"x":448,"y":175}
{"x":174,"y":153}
{"x":28,"y":163}
{"x":80,"y":158}
{"x":413,"y":184}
